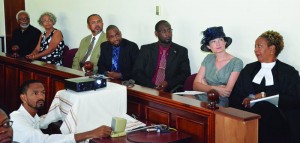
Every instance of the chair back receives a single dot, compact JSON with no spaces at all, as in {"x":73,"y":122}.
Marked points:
{"x":188,"y":84}
{"x":68,"y":58}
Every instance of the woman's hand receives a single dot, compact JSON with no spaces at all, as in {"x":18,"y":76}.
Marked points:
{"x":222,"y":90}
{"x":30,"y":56}
{"x":246,"y":102}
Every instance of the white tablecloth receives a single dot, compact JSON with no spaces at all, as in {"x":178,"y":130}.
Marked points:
{"x":84,"y":111}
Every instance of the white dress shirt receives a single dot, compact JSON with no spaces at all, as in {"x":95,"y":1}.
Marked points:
{"x":96,"y":40}
{"x":26,"y":129}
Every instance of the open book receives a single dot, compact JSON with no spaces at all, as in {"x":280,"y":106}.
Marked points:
{"x":272,"y":99}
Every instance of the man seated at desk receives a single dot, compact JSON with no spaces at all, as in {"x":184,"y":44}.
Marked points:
{"x":164,"y":64}
{"x":26,"y":37}
{"x":117,"y":55}
{"x":26,"y":121}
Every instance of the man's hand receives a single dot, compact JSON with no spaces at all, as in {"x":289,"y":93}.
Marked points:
{"x":114,"y":75}
{"x":101,"y":132}
{"x":162,"y":86}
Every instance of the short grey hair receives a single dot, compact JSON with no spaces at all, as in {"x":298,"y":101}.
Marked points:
{"x":21,"y":11}
{"x":51,"y":15}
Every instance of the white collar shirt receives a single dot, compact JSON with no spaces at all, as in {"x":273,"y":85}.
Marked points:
{"x":26,"y":129}
{"x":96,"y":39}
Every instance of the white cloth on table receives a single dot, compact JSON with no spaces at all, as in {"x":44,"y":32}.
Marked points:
{"x":26,"y":129}
{"x":84,"y":111}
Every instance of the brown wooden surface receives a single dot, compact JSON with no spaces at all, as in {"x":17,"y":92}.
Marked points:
{"x":185,"y":114}
{"x":149,"y":137}
{"x":11,"y":8}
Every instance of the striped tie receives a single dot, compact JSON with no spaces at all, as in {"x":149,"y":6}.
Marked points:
{"x":160,"y":77}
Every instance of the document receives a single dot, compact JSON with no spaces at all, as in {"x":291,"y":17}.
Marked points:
{"x":189,"y":93}
{"x":133,"y":123}
{"x":272,"y":99}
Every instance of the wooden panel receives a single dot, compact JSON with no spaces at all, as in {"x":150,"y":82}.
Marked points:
{"x":11,"y":8}
{"x":12,"y":97}
{"x":239,"y":131}
{"x":24,"y":76}
{"x":2,"y":87}
{"x":157,"y":116}
{"x":134,"y":108}
{"x":57,"y":85}
{"x":194,"y":128}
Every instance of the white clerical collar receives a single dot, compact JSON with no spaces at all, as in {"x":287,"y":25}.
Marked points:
{"x":265,"y":72}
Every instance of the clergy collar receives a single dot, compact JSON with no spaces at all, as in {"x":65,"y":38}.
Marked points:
{"x":265,"y":72}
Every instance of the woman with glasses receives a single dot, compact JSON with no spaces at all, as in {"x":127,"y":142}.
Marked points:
{"x":6,"y":133}
{"x":51,"y":44}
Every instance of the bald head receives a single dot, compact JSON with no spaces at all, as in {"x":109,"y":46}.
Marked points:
{"x":2,"y":112}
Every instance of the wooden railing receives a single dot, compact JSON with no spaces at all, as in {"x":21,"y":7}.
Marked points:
{"x":225,"y":125}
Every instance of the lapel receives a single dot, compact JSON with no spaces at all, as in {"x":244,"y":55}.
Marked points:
{"x":154,"y":57}
{"x":172,"y":54}
{"x":122,"y":52}
{"x":96,"y":50}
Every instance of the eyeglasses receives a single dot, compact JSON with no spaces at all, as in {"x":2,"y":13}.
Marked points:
{"x":7,"y":124}
{"x":24,"y":19}
{"x":165,"y":31}
{"x":47,"y":21}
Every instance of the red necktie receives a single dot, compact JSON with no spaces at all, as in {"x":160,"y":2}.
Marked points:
{"x":160,"y":77}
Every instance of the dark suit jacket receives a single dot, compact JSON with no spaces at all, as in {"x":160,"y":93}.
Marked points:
{"x":26,"y":40}
{"x":128,"y":54}
{"x":177,"y":68}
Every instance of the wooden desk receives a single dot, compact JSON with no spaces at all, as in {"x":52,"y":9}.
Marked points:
{"x":185,"y":114}
{"x":151,"y":137}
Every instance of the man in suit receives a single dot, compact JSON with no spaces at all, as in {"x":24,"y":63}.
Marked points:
{"x":162,"y":65}
{"x":26,"y":37}
{"x":95,"y":24}
{"x":117,"y":56}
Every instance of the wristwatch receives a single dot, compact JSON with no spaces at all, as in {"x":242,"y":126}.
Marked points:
{"x":263,"y":94}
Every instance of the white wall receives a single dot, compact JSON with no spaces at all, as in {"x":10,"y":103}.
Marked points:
{"x":2,"y":23}
{"x":243,"y":21}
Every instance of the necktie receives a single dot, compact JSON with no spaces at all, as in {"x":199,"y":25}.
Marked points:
{"x":90,"y":48}
{"x":115,"y":59}
{"x":160,"y":77}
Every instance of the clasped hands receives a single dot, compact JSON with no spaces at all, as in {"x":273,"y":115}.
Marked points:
{"x":113,"y":75}
{"x":222,"y":90}
{"x":162,"y":86}
{"x":30,"y":56}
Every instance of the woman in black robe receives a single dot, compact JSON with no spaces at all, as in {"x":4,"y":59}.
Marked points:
{"x":268,"y":77}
